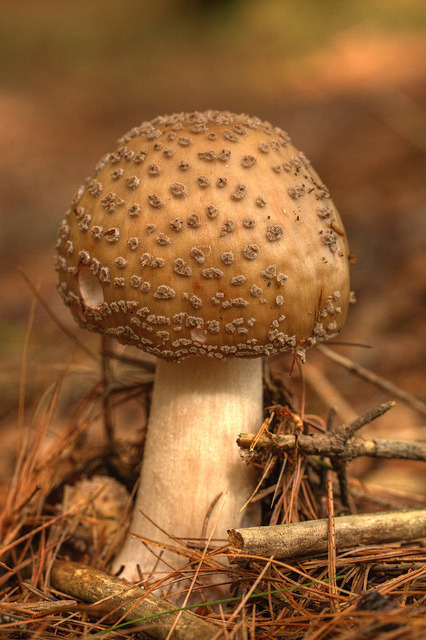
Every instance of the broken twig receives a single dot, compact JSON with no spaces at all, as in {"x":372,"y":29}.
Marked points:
{"x":132,"y":602}
{"x":311,"y":537}
{"x":349,"y":429}
{"x":329,"y":445}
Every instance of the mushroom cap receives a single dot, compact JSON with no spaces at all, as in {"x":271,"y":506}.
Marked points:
{"x":205,"y":234}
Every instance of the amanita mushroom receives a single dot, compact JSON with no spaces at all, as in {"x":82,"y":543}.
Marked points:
{"x":207,"y":240}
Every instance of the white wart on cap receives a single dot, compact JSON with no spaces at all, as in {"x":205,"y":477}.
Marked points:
{"x":206,"y":234}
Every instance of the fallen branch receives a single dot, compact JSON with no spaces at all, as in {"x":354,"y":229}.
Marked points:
{"x":330,"y":445}
{"x":128,"y":601}
{"x":338,"y":444}
{"x":311,"y":537}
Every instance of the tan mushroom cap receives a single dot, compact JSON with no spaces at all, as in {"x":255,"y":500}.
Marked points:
{"x":206,"y":234}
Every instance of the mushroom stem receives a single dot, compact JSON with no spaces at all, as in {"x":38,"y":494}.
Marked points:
{"x":198,"y":409}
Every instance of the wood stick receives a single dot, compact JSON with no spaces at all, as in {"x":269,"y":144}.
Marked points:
{"x":129,"y":601}
{"x":328,"y":445}
{"x":311,"y":537}
{"x":378,"y":381}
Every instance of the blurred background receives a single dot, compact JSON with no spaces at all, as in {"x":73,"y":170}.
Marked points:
{"x":345,"y":79}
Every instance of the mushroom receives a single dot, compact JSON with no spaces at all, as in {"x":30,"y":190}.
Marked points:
{"x":209,"y":241}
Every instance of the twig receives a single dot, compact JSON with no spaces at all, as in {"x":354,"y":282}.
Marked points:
{"x":345,"y":433}
{"x":106,"y":348}
{"x":404,"y":115}
{"x":129,"y":601}
{"x":55,"y":319}
{"x":328,"y":445}
{"x":329,"y":394}
{"x":23,"y":380}
{"x":311,"y":537}
{"x":37,"y":608}
{"x":347,"y":430}
{"x":375,"y":379}
{"x":264,"y":427}
{"x":141,"y":361}
{"x":385,"y":497}
{"x":341,"y":469}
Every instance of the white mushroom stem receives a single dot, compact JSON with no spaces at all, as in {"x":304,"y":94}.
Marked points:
{"x":198,"y":409}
